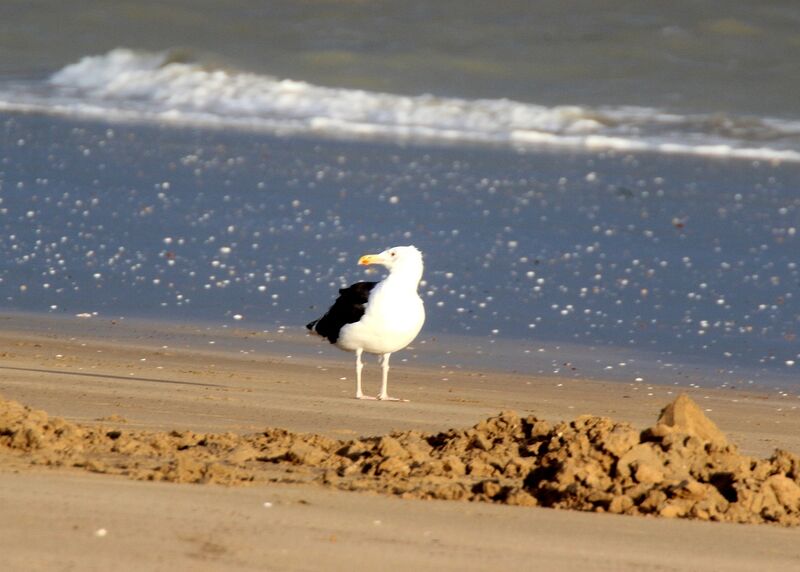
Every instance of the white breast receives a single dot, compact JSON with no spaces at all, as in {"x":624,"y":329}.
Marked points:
{"x":393,"y":318}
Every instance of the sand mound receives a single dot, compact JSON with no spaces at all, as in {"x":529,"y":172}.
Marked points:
{"x":683,"y":466}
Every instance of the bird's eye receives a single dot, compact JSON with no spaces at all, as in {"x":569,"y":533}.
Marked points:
{"x":393,"y":254}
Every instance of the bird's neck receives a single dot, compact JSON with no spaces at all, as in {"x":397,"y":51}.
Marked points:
{"x":408,"y":278}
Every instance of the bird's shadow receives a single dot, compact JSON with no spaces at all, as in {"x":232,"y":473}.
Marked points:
{"x":108,"y":376}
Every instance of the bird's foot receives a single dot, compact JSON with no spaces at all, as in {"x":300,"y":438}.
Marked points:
{"x":367,"y":397}
{"x":387,"y":398}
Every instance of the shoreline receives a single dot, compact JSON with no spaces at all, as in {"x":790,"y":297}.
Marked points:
{"x":551,"y":358}
{"x":164,"y":234}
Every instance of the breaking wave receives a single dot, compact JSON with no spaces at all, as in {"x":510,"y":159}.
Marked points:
{"x":128,"y":85}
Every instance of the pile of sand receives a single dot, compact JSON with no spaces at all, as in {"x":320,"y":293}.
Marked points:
{"x":683,"y":466}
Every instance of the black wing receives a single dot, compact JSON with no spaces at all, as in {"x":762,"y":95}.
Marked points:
{"x":348,"y":308}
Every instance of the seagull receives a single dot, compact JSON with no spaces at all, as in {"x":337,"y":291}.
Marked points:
{"x":377,"y":317}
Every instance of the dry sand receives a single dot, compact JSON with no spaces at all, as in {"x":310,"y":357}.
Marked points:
{"x":122,"y":378}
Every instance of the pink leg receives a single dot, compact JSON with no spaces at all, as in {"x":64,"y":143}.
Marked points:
{"x":359,"y":367}
{"x":384,"y":395}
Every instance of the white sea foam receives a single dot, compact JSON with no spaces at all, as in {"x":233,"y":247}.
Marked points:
{"x":126,"y":85}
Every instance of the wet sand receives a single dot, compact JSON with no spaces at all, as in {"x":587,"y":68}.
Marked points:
{"x":94,"y":371}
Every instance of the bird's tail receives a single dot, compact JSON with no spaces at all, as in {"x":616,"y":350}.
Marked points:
{"x":311,"y":325}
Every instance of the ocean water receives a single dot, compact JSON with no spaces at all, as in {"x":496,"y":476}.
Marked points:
{"x":608,"y":191}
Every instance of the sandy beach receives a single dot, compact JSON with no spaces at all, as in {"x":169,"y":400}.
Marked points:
{"x":143,"y":376}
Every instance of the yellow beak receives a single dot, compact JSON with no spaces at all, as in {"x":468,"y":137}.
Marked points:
{"x":368,"y":259}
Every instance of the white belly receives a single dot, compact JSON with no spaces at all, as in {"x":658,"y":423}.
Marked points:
{"x":389,"y":324}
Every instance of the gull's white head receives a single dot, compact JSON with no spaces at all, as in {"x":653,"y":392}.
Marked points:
{"x":397,"y":259}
